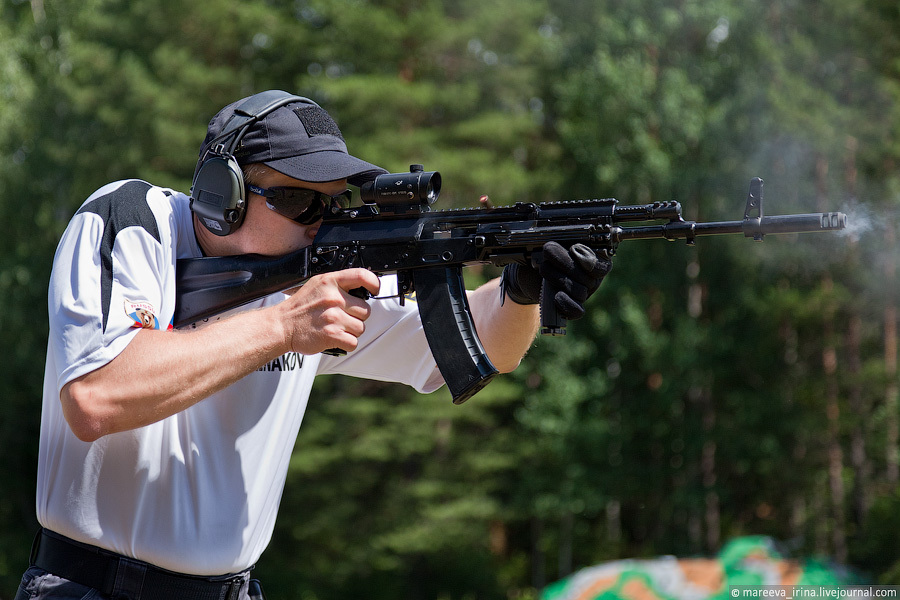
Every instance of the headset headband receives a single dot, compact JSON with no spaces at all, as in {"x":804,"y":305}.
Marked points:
{"x":217,"y":190}
{"x":245,"y":116}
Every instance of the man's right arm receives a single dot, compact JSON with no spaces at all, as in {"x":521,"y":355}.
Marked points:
{"x":181,"y":368}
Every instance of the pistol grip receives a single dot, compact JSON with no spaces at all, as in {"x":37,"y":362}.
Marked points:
{"x":359,"y":292}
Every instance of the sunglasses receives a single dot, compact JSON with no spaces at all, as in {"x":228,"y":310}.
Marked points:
{"x":301,"y":205}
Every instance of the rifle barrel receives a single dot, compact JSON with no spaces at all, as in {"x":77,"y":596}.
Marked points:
{"x":752,"y":227}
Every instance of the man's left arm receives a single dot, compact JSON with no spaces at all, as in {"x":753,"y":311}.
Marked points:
{"x":506,"y":329}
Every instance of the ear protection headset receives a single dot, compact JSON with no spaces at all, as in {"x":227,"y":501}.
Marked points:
{"x":218,"y":191}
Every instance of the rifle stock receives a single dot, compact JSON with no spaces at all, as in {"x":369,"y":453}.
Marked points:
{"x":206,"y":287}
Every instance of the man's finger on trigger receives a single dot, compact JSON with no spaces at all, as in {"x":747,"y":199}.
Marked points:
{"x":354,"y":279}
{"x":371,"y":282}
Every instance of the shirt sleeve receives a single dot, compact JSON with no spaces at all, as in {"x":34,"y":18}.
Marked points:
{"x":107,"y":280}
{"x":393,"y":347}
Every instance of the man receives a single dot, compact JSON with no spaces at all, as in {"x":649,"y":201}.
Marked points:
{"x":163,"y":454}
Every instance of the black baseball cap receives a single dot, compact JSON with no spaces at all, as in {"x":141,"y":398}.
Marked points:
{"x":299,"y":139}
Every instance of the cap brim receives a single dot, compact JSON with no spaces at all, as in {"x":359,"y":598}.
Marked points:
{"x":326,"y":165}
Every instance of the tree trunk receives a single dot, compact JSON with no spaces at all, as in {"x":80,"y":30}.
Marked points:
{"x":858,"y":459}
{"x":708,"y":472}
{"x":858,"y":408}
{"x":832,"y":406}
{"x":892,"y":390}
{"x":835,"y":454}
{"x":538,"y":566}
{"x":614,"y":522}
{"x":566,"y":526}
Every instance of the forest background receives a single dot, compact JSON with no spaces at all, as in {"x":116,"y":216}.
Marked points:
{"x":713,"y":391}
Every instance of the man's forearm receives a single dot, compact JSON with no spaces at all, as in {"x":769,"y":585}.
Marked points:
{"x":506,"y":329}
{"x":178,"y":369}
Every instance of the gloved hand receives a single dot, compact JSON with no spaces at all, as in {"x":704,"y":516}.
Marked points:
{"x":575,"y":274}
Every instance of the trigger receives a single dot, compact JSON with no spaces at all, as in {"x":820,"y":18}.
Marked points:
{"x":361,"y":293}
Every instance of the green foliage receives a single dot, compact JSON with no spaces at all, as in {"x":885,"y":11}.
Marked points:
{"x":410,"y":503}
{"x":688,"y":407}
{"x":874,"y":547}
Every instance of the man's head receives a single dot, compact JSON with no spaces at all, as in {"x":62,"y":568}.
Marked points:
{"x":289,"y":134}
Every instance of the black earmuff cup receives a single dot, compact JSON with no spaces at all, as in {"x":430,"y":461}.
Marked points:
{"x":218,"y":195}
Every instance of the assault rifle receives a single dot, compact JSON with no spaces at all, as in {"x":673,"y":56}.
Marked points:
{"x":396,"y":231}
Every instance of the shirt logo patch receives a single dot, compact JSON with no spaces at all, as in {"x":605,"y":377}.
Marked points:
{"x":143,"y":314}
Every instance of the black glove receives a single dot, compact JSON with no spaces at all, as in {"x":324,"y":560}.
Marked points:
{"x":575,"y":274}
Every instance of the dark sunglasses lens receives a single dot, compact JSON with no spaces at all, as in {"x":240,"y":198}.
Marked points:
{"x":303,"y":205}
{"x":311,"y":214}
{"x":292,"y":202}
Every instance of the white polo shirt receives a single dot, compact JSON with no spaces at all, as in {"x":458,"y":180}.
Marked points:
{"x":197,"y":492}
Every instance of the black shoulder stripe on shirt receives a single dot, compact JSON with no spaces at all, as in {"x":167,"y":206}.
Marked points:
{"x":124,"y":207}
